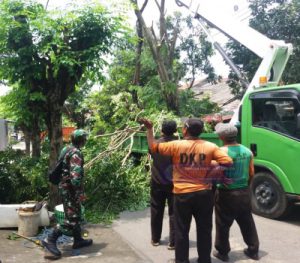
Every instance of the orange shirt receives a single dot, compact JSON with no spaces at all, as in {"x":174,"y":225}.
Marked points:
{"x":191,"y":163}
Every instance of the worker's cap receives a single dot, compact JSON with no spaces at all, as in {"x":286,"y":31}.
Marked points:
{"x":169,"y":127}
{"x":79,"y":133}
{"x":194,"y":126}
{"x":226,"y":130}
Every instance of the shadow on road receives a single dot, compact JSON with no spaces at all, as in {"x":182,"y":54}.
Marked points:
{"x":235,"y":256}
{"x":294,"y":216}
{"x":239,"y":256}
{"x":92,"y":251}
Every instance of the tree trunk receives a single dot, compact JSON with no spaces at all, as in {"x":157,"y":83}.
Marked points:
{"x":36,"y":139}
{"x":164,"y":68}
{"x":36,"y":145}
{"x":137,"y":72}
{"x":171,"y":96}
{"x":139,"y":47}
{"x":54,"y":125}
{"x":27,"y":143}
{"x":27,"y":139}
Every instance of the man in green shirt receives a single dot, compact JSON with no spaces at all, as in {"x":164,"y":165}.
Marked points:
{"x":232,"y":200}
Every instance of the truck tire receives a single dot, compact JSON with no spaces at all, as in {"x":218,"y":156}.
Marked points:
{"x":268,"y":198}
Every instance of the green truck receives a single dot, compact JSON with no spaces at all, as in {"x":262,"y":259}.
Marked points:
{"x":268,"y":117}
{"x":270,"y":127}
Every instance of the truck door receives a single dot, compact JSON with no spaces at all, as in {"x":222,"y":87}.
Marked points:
{"x":274,"y":138}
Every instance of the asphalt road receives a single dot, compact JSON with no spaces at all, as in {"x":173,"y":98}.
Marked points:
{"x":280,"y":240}
{"x":128,"y":241}
{"x":108,"y":247}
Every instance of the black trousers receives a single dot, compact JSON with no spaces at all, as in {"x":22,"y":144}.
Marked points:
{"x":233,"y":205}
{"x":159,"y":195}
{"x":200,"y":206}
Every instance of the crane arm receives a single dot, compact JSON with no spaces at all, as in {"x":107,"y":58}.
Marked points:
{"x":274,"y":53}
{"x":234,"y":29}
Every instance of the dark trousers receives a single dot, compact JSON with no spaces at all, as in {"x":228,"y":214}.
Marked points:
{"x":233,"y":205}
{"x":200,"y":206}
{"x":159,"y":195}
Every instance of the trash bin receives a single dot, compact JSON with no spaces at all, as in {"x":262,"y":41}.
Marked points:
{"x":28,"y":224}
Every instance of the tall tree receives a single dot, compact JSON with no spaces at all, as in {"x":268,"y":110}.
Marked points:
{"x":166,"y":50}
{"x":50,"y":53}
{"x":162,"y":49}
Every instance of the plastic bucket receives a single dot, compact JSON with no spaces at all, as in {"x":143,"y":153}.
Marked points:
{"x":28,"y":224}
{"x":60,"y":214}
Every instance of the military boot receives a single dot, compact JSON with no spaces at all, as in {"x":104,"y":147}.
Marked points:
{"x":79,"y":242}
{"x":50,"y":244}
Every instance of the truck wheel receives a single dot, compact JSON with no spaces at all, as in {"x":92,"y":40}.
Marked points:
{"x":267,"y":196}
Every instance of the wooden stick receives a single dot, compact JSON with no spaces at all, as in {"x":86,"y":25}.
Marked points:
{"x":37,"y":242}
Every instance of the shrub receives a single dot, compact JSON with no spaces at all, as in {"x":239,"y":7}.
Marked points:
{"x":112,"y":188}
{"x":22,"y":178}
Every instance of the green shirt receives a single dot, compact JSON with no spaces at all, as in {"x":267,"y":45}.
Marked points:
{"x":239,"y":171}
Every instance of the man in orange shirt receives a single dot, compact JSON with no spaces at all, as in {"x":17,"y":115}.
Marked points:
{"x":193,"y":197}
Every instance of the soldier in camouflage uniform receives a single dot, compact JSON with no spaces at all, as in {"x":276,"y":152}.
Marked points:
{"x":72,"y":194}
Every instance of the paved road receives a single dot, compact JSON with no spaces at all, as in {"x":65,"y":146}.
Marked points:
{"x":128,"y":241}
{"x":108,"y":247}
{"x":280,"y":240}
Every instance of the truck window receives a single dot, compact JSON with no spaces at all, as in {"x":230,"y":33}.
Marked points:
{"x":279,"y":115}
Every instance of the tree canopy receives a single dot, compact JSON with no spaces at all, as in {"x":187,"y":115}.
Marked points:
{"x":50,"y":53}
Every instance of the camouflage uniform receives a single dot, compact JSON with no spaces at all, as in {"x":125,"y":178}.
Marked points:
{"x":71,"y":191}
{"x":70,"y":186}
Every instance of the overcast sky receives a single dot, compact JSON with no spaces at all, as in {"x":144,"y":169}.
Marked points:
{"x":237,"y":8}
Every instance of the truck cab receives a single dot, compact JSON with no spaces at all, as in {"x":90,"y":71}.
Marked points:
{"x":270,"y":127}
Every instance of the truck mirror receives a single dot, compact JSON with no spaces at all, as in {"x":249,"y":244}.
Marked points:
{"x":240,"y":113}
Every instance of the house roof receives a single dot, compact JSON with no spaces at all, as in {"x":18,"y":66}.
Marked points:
{"x":219,"y":93}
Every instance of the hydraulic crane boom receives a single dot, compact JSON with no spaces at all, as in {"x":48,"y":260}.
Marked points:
{"x":274,"y":53}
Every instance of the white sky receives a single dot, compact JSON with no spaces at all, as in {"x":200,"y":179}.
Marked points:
{"x":236,"y":8}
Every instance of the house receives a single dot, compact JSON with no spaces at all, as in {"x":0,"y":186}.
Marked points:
{"x":219,"y":93}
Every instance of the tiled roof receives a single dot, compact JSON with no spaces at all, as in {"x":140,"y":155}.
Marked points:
{"x":219,"y":93}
